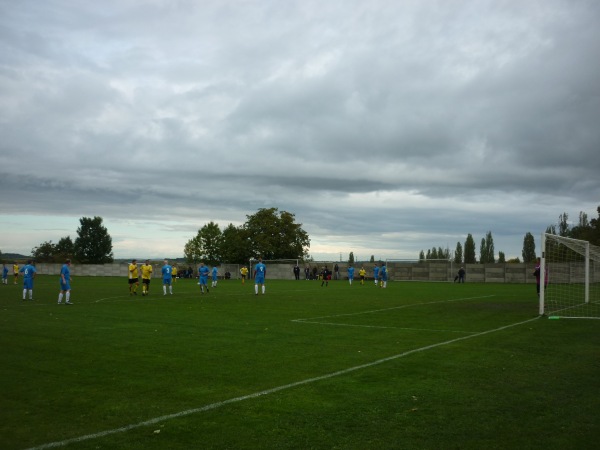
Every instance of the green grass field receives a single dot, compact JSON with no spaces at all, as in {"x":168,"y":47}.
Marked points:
{"x":413,"y":366}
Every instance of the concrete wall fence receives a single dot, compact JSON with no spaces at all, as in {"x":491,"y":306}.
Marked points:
{"x":398,"y":271}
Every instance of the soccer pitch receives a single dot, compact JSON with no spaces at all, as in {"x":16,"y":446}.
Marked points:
{"x":412,"y":366}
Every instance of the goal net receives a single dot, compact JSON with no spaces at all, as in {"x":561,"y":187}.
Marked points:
{"x":569,"y":278}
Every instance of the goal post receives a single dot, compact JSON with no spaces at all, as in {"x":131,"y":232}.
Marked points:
{"x":569,"y":278}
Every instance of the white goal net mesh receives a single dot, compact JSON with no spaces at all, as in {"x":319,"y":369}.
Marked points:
{"x":570,"y":278}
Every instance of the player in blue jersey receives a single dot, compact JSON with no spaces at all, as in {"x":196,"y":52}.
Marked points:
{"x":215,"y":276}
{"x":28,"y":272}
{"x":383,"y":275}
{"x":350,"y":274}
{"x":4,"y":274}
{"x":167,"y":275}
{"x":203,"y":272}
{"x":376,"y":273}
{"x":65,"y":283}
{"x":260,"y":271}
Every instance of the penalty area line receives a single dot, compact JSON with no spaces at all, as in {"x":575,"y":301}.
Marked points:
{"x":216,"y":405}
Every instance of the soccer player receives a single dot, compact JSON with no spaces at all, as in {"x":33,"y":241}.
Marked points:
{"x":350,"y":274}
{"x":244,"y":272}
{"x":215,"y":276}
{"x":326,"y":276}
{"x":461,"y":275}
{"x":167,"y":275}
{"x":134,"y":280}
{"x":28,"y":272}
{"x":174,"y":274}
{"x":146,"y":276}
{"x":4,"y":274}
{"x":65,"y":283}
{"x":383,"y":275}
{"x":260,"y":271}
{"x":16,"y":272}
{"x":203,"y":277}
{"x":376,"y":273}
{"x":362,"y":273}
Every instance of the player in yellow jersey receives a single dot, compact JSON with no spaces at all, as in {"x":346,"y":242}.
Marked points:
{"x":361,"y":273}
{"x":16,"y":272}
{"x":134,"y":280}
{"x":244,"y":272}
{"x":146,"y":276}
{"x":174,"y":272}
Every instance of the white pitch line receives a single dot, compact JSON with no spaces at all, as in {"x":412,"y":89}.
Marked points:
{"x":380,"y":327}
{"x":268,"y":391}
{"x":397,"y":307}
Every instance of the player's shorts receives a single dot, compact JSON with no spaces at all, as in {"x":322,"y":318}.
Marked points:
{"x":146,"y":281}
{"x":167,"y":281}
{"x":27,"y":283}
{"x":259,"y":280}
{"x":203,"y":280}
{"x":65,"y":286}
{"x":133,"y":280}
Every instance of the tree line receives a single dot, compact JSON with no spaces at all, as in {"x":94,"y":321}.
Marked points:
{"x":269,"y":234}
{"x":587,"y":230}
{"x":273,"y":234}
{"x":93,"y":245}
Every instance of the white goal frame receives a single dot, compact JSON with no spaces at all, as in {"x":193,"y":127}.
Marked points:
{"x":563,"y":277}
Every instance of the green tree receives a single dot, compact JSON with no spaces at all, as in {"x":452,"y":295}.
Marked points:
{"x":470,"y":250}
{"x":65,"y":249}
{"x":351,"y":258}
{"x":594,"y":234}
{"x":584,"y":229}
{"x":563,"y":225}
{"x":44,"y":253}
{"x":458,"y":253}
{"x":486,"y":250}
{"x":235,"y":245}
{"x":93,"y":244}
{"x":444,"y":253}
{"x":205,"y":246}
{"x":422,"y":256}
{"x":372,"y":258}
{"x":528,"y":252}
{"x":276,"y":235}
{"x":433,"y":254}
{"x":501,"y":257}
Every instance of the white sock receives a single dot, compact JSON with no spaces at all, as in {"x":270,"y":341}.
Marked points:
{"x":171,"y":289}
{"x":164,"y":289}
{"x":60,"y":297}
{"x":68,"y":296}
{"x":256,"y":288}
{"x":263,"y":289}
{"x":24,"y":294}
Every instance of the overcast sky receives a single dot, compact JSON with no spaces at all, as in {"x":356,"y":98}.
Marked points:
{"x":385,"y":127}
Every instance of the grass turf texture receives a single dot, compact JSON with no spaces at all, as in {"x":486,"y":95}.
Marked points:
{"x":427,"y":375}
